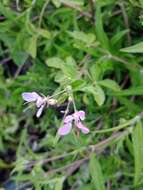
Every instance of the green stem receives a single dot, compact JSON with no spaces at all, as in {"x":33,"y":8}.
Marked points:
{"x":42,"y":13}
{"x":121,"y":126}
{"x":57,"y":94}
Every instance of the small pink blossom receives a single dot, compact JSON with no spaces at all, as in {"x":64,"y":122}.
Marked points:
{"x":76,"y":117}
{"x":68,"y":119}
{"x":34,"y":97}
{"x":65,"y":129}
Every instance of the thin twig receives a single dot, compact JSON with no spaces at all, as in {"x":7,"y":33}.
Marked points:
{"x":42,"y":13}
{"x":69,"y":167}
{"x":115,"y":13}
{"x":77,"y":8}
{"x":92,"y":8}
{"x":18,"y":71}
{"x":96,"y":147}
{"x":6,"y":60}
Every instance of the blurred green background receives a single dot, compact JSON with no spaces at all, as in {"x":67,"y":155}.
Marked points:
{"x":96,"y":47}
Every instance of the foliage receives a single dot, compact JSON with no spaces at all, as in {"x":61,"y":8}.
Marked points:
{"x":93,"y":48}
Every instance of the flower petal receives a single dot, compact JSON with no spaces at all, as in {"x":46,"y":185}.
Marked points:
{"x":68,"y":119}
{"x":30,"y":96}
{"x":84,"y":129}
{"x":39,"y":112}
{"x":39,"y":101}
{"x":65,"y":129}
{"x":81,"y":114}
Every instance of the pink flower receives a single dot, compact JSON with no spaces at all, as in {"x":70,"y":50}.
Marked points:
{"x":76,"y":117}
{"x":34,"y":97}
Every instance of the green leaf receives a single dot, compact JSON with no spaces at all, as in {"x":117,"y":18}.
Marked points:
{"x":137,"y":48}
{"x":44,"y":33}
{"x":32,"y":46}
{"x":55,"y":62}
{"x":101,"y":35}
{"x":141,"y":2}
{"x":105,"y":2}
{"x":59,"y":184}
{"x":111,"y":84}
{"x":96,"y":173}
{"x":87,"y":38}
{"x":73,"y":2}
{"x":130,"y":91}
{"x":57,"y":3}
{"x":137,"y":138}
{"x":97,"y":92}
{"x":7,"y":11}
{"x":68,"y":68}
{"x":19,"y":57}
{"x":78,"y":84}
{"x":96,"y":71}
{"x":86,"y":187}
{"x":118,"y":36}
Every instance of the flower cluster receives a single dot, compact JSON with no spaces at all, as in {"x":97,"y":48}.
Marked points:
{"x":75,"y":119}
{"x":40,"y":101}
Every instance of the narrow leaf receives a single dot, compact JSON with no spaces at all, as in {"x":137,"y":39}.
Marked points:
{"x":111,"y":84}
{"x":137,"y":138}
{"x":130,"y":91}
{"x":96,"y":173}
{"x":137,"y":48}
{"x":101,"y":35}
{"x":32,"y":46}
{"x":59,"y":184}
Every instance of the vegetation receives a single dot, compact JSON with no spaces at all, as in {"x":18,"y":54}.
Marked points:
{"x":77,"y":57}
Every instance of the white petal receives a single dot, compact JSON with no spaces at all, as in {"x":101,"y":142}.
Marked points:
{"x":30,"y":96}
{"x":39,"y":101}
{"x":39,"y":112}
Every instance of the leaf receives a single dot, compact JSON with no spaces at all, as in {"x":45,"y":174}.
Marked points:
{"x":118,"y":36}
{"x":57,"y":3}
{"x":97,"y":92}
{"x":105,"y":2}
{"x":96,"y":173}
{"x":19,"y":57}
{"x":44,"y":33}
{"x":59,"y":184}
{"x":55,"y":62}
{"x":87,"y":38}
{"x":130,"y":91}
{"x":111,"y":84}
{"x":7,"y":12}
{"x":73,"y":2}
{"x":100,"y":33}
{"x":137,"y":138}
{"x":137,"y":48}
{"x":86,"y":187}
{"x":32,"y":46}
{"x":69,"y":67}
{"x":78,"y":84}
{"x":141,"y":2}
{"x":96,"y":71}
